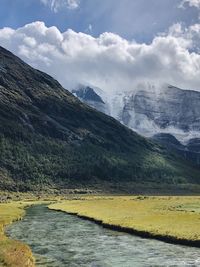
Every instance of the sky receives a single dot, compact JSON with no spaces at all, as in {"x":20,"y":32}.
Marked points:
{"x":110,"y":44}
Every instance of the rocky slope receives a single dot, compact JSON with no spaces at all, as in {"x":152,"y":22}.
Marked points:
{"x":167,"y":108}
{"x":48,"y":138}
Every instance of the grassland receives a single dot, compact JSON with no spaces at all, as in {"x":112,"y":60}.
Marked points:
{"x":12,"y":208}
{"x":13,"y":253}
{"x":171,"y":219}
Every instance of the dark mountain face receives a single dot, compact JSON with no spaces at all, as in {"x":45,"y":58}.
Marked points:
{"x":189,"y":151}
{"x":49,"y":138}
{"x":168,"y":139}
{"x":87,"y":94}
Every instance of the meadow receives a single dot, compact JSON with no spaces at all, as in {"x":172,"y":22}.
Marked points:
{"x":171,"y":219}
{"x":13,"y":208}
{"x":13,"y":253}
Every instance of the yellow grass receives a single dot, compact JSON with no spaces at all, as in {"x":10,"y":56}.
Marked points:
{"x":13,"y":253}
{"x":174,"y":217}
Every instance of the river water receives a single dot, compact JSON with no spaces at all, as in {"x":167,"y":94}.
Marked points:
{"x":58,"y":239}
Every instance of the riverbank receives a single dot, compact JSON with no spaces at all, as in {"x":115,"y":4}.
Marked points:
{"x":13,"y":253}
{"x":171,"y":219}
{"x":12,"y":208}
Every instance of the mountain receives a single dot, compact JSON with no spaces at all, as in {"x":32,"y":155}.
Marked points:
{"x":88,"y":95}
{"x":189,"y":151}
{"x":160,"y":111}
{"x":50,"y":139}
{"x":168,"y":109}
{"x":151,"y":109}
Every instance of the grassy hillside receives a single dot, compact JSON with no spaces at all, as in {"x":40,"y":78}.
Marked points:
{"x":48,"y":138}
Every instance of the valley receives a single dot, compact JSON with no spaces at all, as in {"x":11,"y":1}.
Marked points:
{"x":51,"y":140}
{"x":58,"y":238}
{"x":99,"y":133}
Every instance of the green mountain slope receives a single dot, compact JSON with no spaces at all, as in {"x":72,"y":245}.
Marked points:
{"x":49,"y":138}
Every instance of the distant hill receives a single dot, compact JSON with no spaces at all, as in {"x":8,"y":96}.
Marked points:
{"x":49,"y":139}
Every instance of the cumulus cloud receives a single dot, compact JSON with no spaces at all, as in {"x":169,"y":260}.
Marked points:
{"x":191,"y":3}
{"x":190,"y":35}
{"x":108,"y":61}
{"x":57,"y":5}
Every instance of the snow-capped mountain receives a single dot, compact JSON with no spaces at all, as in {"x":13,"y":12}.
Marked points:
{"x":152,"y":110}
{"x":167,"y":109}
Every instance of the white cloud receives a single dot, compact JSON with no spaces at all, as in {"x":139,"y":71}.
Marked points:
{"x":191,"y":3}
{"x":189,"y":36}
{"x":57,"y":5}
{"x":108,"y":61}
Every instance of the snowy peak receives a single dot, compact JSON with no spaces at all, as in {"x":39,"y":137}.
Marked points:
{"x":170,"y":109}
{"x":170,"y":115}
{"x":150,"y":108}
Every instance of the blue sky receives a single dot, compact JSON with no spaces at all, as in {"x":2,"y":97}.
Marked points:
{"x":110,"y":44}
{"x":132,"y":19}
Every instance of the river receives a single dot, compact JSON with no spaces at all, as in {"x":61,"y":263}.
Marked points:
{"x":58,"y":239}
